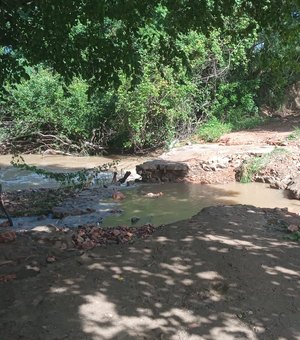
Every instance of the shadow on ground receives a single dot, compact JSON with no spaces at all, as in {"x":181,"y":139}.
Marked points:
{"x":227,"y":273}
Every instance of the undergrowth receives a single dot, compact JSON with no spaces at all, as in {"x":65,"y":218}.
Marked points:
{"x":295,"y":236}
{"x":252,"y":166}
{"x":213,"y":129}
{"x":295,"y":134}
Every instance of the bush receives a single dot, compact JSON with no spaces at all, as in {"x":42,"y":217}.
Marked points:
{"x":44,"y":103}
{"x":150,"y":114}
{"x":235,"y":103}
{"x":36,"y":103}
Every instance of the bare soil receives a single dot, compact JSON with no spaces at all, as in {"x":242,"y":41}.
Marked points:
{"x":230,"y":272}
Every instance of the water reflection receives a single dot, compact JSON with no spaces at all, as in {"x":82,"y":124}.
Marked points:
{"x":181,"y":201}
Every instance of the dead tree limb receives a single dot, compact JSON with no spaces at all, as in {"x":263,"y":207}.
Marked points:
{"x":124,"y":178}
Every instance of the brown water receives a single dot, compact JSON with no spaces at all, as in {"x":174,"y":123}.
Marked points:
{"x":14,"y":179}
{"x":181,"y":201}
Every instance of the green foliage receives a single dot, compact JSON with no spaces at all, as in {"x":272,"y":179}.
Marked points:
{"x":150,"y":113}
{"x":137,"y":74}
{"x":235,"y":102}
{"x":295,"y":135}
{"x":295,"y":236}
{"x":277,"y":59}
{"x":252,"y":167}
{"x":95,"y":39}
{"x":213,"y":129}
{"x":37,"y":101}
{"x":44,"y":103}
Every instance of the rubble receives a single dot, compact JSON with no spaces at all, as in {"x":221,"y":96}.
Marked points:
{"x":90,"y":236}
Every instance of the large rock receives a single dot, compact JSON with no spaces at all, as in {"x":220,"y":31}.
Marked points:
{"x":162,"y":171}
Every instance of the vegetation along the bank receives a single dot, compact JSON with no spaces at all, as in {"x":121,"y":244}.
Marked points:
{"x":83,"y":76}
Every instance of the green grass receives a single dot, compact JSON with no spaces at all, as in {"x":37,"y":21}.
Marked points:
{"x":295,"y":134}
{"x":252,"y":166}
{"x":213,"y":129}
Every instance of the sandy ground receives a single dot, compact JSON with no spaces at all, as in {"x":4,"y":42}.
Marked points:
{"x":227,"y":273}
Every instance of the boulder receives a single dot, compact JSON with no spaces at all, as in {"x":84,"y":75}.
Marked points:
{"x":162,"y":171}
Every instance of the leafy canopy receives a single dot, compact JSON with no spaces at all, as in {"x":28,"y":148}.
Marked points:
{"x":96,"y":38}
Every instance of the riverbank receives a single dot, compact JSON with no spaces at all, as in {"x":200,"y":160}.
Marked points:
{"x":228,"y":272}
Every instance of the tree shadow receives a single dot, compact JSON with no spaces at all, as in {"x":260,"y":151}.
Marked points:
{"x":283,"y":124}
{"x":227,"y":273}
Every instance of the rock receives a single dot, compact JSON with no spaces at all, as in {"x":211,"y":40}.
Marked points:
{"x":36,"y":301}
{"x":45,"y":229}
{"x":7,"y":277}
{"x":50,"y":259}
{"x":5,"y":224}
{"x":117,"y":195}
{"x":293,"y":228}
{"x":154,"y":195}
{"x":162,"y":171}
{"x":59,"y":245}
{"x":116,"y":211}
{"x":8,"y":236}
{"x":294,"y":187}
{"x":134,"y":219}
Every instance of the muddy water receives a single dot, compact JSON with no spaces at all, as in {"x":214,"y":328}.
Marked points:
{"x":181,"y":201}
{"x":14,"y":179}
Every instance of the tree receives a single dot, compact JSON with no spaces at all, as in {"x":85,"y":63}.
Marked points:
{"x":96,"y":38}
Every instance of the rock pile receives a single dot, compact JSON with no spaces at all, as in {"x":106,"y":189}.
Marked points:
{"x":90,"y":236}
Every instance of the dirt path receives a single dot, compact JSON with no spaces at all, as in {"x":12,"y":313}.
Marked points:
{"x":227,"y":273}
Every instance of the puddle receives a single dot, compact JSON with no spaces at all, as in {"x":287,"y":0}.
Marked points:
{"x":181,"y":201}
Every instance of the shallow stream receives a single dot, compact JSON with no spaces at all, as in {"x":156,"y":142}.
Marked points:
{"x":179,"y":201}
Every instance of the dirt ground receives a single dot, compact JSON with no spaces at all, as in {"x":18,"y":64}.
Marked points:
{"x":272,"y":132}
{"x":230,"y":272}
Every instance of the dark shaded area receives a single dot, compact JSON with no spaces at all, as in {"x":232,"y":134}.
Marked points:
{"x":226,"y":273}
{"x":279,"y":124}
{"x":34,"y":201}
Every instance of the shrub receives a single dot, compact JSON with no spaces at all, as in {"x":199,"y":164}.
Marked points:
{"x":44,"y":103}
{"x":235,"y":103}
{"x":37,"y":103}
{"x":149,"y":114}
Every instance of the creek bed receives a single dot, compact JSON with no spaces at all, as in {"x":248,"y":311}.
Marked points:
{"x":183,"y":200}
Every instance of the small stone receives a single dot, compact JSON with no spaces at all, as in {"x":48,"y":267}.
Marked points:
{"x":293,"y":228}
{"x":45,"y":228}
{"x":134,"y":219}
{"x":58,"y":244}
{"x":50,"y":259}
{"x":8,"y":236}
